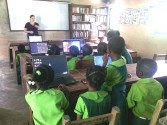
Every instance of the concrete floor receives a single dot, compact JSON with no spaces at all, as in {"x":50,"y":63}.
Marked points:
{"x":13,"y":108}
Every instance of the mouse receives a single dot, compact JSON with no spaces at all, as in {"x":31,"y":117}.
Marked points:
{"x":129,"y":75}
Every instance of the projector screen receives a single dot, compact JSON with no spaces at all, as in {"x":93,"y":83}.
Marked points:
{"x":49,"y":15}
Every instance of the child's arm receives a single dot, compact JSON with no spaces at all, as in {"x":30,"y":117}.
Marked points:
{"x":105,"y":60}
{"x":64,"y":89}
{"x":80,"y":108}
{"x":133,"y":96}
{"x":79,"y":117}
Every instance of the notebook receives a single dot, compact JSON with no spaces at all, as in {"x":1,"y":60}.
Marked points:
{"x":35,"y":38}
{"x":98,"y":60}
{"x":68,"y":43}
{"x":59,"y":66}
{"x":39,"y":48}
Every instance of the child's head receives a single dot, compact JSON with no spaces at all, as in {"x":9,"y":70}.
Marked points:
{"x":102,"y":48}
{"x":87,"y":50}
{"x":146,"y":68}
{"x":95,"y":76}
{"x":112,"y":33}
{"x":74,"y":51}
{"x":21,"y":48}
{"x":54,"y":50}
{"x":43,"y":76}
{"x":116,"y":45}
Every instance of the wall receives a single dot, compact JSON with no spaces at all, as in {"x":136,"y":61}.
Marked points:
{"x":140,"y":37}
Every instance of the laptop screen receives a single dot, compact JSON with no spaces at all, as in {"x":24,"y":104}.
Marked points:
{"x":35,"y":38}
{"x":57,"y":62}
{"x":39,"y":47}
{"x":68,"y":43}
{"x":98,"y":60}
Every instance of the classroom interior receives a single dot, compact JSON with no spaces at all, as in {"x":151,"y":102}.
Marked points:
{"x":141,"y":37}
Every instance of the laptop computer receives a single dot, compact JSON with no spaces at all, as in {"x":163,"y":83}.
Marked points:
{"x":35,"y":38}
{"x":98,"y":60}
{"x":68,"y":43}
{"x":38,"y":48}
{"x":59,"y":66}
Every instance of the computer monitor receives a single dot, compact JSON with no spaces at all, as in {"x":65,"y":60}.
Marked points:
{"x":68,"y":43}
{"x":38,"y":47}
{"x":98,"y":60}
{"x":35,"y":38}
{"x":57,"y":62}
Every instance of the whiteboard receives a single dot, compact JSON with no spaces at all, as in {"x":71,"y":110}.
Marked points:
{"x":49,"y":15}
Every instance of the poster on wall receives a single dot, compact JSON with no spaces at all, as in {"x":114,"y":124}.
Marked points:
{"x":134,"y":16}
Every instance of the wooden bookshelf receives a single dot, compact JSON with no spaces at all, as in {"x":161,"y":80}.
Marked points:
{"x":82,"y":19}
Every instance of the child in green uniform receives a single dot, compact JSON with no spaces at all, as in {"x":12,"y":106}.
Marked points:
{"x":95,"y":101}
{"x":47,"y":105}
{"x":21,"y":51}
{"x":87,"y":51}
{"x":102,"y":48}
{"x":54,"y":50}
{"x":116,"y":76}
{"x":145,"y":93}
{"x":125,"y":53}
{"x":74,"y":51}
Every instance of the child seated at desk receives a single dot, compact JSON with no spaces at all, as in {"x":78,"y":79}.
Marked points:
{"x":95,"y":101}
{"x":54,"y":50}
{"x":71,"y":64}
{"x":125,"y":52}
{"x":116,"y":76}
{"x":47,"y":105}
{"x":145,"y":93}
{"x":87,"y":51}
{"x":21,"y":51}
{"x":102,"y":48}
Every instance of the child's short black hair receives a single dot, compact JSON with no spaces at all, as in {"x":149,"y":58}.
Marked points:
{"x":102,"y":48}
{"x":112,"y":33}
{"x":148,"y":67}
{"x":87,"y":50}
{"x":21,"y":48}
{"x":43,"y":75}
{"x":54,"y":50}
{"x":116,"y":44}
{"x":96,"y":76}
{"x":74,"y":51}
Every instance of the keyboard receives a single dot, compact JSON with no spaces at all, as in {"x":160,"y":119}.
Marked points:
{"x":65,"y":79}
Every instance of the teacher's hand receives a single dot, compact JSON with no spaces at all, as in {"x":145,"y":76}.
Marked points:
{"x":31,"y":32}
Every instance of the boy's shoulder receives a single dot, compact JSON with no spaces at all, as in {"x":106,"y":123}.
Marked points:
{"x":147,"y":81}
{"x":53,"y":92}
{"x":118,"y":63}
{"x":94,"y":95}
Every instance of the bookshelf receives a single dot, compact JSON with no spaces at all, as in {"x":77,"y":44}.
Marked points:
{"x":84,"y":20}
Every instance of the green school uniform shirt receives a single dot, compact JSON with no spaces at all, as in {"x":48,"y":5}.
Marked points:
{"x":114,"y":76}
{"x":143,"y":97}
{"x":97,"y":97}
{"x":18,"y":58}
{"x":127,"y":56}
{"x":47,"y":106}
{"x":88,"y":57}
{"x":71,"y":64}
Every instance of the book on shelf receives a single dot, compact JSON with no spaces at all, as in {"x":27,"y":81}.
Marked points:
{"x":76,"y":18}
{"x":81,"y":26}
{"x":84,"y":34}
{"x":101,"y":11}
{"x":80,"y":10}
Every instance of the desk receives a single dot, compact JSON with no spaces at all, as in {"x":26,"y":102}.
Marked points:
{"x":161,"y":74}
